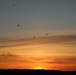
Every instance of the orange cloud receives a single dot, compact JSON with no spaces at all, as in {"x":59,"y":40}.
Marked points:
{"x":10,"y":42}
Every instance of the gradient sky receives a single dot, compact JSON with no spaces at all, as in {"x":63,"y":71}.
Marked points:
{"x":18,"y":48}
{"x":37,"y":17}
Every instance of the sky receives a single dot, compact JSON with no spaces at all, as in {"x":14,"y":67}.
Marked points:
{"x":18,"y":48}
{"x":37,"y":17}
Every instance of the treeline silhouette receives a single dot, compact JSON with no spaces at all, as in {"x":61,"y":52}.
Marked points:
{"x":35,"y":72}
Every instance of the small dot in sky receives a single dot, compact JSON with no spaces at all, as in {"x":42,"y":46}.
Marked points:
{"x":18,"y":25}
{"x":13,"y":4}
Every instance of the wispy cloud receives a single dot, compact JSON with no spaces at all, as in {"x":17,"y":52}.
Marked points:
{"x":69,"y":60}
{"x":18,"y":61}
{"x":8,"y":57}
{"x":10,"y":42}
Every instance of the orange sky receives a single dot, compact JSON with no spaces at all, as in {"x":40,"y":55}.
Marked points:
{"x":21,"y":20}
{"x":57,"y":52}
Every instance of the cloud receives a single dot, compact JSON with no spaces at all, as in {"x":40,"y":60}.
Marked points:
{"x":12,"y":42}
{"x":13,"y":61}
{"x":9,"y":57}
{"x":18,"y":61}
{"x":69,"y":60}
{"x":55,"y":60}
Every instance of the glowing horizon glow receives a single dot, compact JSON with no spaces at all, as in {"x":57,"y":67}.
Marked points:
{"x":40,"y":68}
{"x":56,"y":53}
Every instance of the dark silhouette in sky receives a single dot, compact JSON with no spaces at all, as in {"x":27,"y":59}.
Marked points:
{"x":18,"y":25}
{"x":13,"y":4}
{"x":46,"y":34}
{"x":34,"y":36}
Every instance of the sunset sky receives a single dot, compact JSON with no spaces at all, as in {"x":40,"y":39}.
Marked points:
{"x":18,"y":48}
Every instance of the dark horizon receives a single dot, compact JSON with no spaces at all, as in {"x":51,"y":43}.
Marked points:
{"x":39,"y":70}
